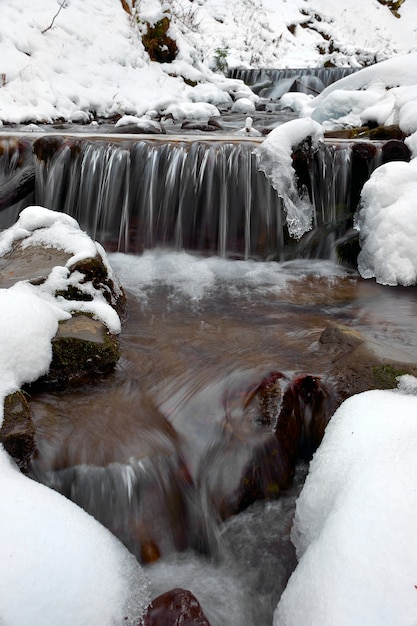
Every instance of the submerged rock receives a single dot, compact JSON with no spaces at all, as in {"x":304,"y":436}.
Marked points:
{"x":174,"y":608}
{"x":361,"y":364}
{"x":254,"y":457}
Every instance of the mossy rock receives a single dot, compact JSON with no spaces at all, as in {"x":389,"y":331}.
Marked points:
{"x":83,"y":351}
{"x":387,"y":375}
{"x":367,"y":131}
{"x":360,"y":364}
{"x":17,"y":433}
{"x":158,"y":44}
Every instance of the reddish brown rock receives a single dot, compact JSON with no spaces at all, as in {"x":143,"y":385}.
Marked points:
{"x":17,"y":433}
{"x":307,"y":406}
{"x":178,"y":607}
{"x":255,"y":455}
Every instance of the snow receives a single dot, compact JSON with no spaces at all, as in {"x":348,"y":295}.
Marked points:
{"x":355,"y":519}
{"x":275,"y":161}
{"x":384,"y":93}
{"x":87,"y":59}
{"x":388,"y":225}
{"x":28,"y":325}
{"x":59,"y":565}
{"x":39,"y":226}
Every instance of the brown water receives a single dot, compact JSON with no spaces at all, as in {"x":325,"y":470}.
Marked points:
{"x":141,"y":449}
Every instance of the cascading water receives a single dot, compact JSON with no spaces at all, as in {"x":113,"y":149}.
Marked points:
{"x":167,"y":447}
{"x":200,"y":196}
{"x":273,"y":83}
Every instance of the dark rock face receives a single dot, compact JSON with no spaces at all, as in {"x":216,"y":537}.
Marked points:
{"x":307,"y":406}
{"x":82,"y":351}
{"x":17,"y":433}
{"x":178,"y":607}
{"x":361,"y":364}
{"x":211,"y":125}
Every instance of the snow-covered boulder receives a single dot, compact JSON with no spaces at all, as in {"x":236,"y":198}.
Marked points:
{"x":46,"y":253}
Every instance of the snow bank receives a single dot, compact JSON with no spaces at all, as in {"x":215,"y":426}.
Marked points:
{"x":87,"y":58}
{"x":388,"y":225}
{"x":275,"y":160}
{"x":355,"y":519}
{"x":90,"y":60}
{"x":28,"y":325}
{"x":60,"y":566}
{"x":384,"y":93}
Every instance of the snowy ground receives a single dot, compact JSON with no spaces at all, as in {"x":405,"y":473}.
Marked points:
{"x":73,"y":59}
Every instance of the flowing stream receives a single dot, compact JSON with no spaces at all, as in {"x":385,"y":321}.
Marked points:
{"x":151,"y":449}
{"x":218,"y":298}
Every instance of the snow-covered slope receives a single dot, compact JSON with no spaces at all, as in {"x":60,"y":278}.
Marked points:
{"x":73,"y":59}
{"x":305,"y":33}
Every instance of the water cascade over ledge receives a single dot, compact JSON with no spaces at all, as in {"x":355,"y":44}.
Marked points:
{"x":273,"y":83}
{"x":205,"y":196}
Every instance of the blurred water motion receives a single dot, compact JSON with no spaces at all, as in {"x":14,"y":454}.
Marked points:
{"x":158,"y":449}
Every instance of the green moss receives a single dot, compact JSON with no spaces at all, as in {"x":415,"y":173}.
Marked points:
{"x":386,"y":376}
{"x":73,"y":293}
{"x":76,"y":361}
{"x":158,"y":44}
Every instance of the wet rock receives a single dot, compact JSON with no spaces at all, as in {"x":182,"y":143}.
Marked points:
{"x":211,"y":125}
{"x":44,"y":148}
{"x":363,"y":153}
{"x":174,"y":608}
{"x":307,"y":407}
{"x":395,"y":150}
{"x":33,"y":264}
{"x":254,"y":458}
{"x":17,"y":433}
{"x":367,"y":131}
{"x":360,"y":364}
{"x":347,"y":249}
{"x":18,"y":187}
{"x":82,"y":351}
{"x":268,"y":398}
{"x":142,"y":128}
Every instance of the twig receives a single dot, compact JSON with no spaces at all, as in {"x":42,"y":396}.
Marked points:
{"x":61,"y":6}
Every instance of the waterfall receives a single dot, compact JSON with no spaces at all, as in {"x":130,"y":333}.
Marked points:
{"x":200,"y":195}
{"x":273,"y":83}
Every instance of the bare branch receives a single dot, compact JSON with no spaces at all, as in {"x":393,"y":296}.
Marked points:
{"x":61,"y":6}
